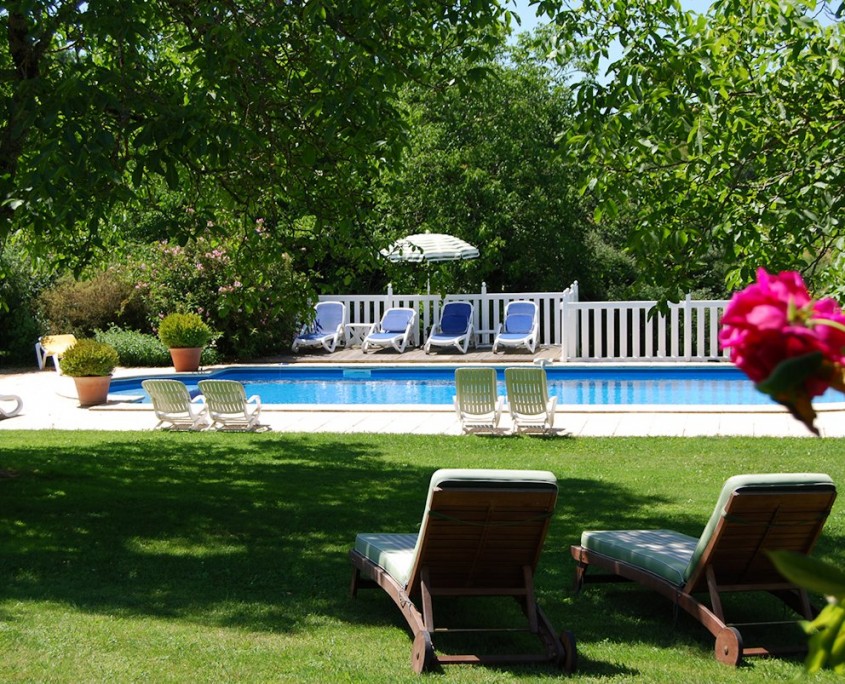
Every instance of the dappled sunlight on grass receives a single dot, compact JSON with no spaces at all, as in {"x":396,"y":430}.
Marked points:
{"x":184,"y":539}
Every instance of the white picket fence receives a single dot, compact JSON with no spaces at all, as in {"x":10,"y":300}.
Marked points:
{"x":585,"y":331}
{"x":489,"y":311}
{"x":633,"y":331}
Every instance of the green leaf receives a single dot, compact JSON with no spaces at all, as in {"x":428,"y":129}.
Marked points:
{"x":791,"y":373}
{"x":810,"y":573}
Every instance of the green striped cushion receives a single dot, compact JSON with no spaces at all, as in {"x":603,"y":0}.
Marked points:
{"x":395,"y":553}
{"x":663,"y":552}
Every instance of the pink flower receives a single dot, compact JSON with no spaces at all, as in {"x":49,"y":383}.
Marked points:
{"x":775,"y":319}
{"x":792,"y":346}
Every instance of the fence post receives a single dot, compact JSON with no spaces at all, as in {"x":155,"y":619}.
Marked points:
{"x":688,"y":327}
{"x":567,"y":332}
{"x":564,"y":328}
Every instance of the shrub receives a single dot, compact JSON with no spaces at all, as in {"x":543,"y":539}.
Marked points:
{"x":253,"y":305}
{"x":89,"y":357}
{"x":184,"y":330}
{"x":20,"y":285}
{"x":135,"y":348}
{"x":210,"y":356}
{"x":145,"y":350}
{"x":83,"y":306}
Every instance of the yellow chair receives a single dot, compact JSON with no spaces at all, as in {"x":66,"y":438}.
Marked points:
{"x":531,"y":407}
{"x":52,"y":346}
{"x":477,"y":403}
{"x":173,"y":404}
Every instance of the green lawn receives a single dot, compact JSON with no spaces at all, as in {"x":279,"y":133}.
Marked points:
{"x":175,"y":557}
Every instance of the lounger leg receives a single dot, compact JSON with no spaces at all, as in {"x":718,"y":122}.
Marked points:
{"x":422,"y":655}
{"x":530,"y":601}
{"x":580,"y":572}
{"x":427,"y":604}
{"x":715,"y":599}
{"x":798,"y":600}
{"x":353,"y":587}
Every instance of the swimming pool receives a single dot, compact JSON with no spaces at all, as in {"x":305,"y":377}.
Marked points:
{"x":435,"y":385}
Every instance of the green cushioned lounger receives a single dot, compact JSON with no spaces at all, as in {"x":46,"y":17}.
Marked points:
{"x":481,"y":534}
{"x":754,"y":514}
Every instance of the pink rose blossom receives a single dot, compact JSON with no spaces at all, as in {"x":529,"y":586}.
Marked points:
{"x":776,"y":319}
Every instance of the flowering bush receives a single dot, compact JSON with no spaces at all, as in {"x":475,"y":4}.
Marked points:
{"x":790,"y":345}
{"x":243,"y":286}
{"x":827,"y":629}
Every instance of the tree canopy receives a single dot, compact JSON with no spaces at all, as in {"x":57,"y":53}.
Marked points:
{"x":282,"y":109}
{"x":483,"y":164}
{"x":717,"y":135}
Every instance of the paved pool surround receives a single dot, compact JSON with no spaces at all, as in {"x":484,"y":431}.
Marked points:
{"x":49,"y":402}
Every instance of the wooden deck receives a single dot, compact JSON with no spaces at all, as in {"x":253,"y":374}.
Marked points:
{"x":416,"y":355}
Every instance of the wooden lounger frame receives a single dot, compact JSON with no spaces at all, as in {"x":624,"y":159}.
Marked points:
{"x":755,"y":522}
{"x":475,"y":542}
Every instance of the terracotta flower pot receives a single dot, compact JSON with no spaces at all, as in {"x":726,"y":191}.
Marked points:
{"x":92,"y":389}
{"x":186,"y":359}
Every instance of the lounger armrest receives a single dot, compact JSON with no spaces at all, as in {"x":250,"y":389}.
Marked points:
{"x":254,"y":399}
{"x":199,"y":399}
{"x":552,"y":404}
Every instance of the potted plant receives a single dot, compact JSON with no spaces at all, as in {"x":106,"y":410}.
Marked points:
{"x":90,"y":363}
{"x":185,"y":334}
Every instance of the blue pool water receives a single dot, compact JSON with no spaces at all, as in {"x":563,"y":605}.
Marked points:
{"x":607,"y":386}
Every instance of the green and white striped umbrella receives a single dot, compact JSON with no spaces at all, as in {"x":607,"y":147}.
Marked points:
{"x":431,"y":248}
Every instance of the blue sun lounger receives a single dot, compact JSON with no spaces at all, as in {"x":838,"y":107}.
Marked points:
{"x":519,"y":328}
{"x":394,"y":330}
{"x":326,"y":330}
{"x":455,"y":328}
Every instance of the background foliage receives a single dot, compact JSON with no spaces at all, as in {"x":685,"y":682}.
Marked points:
{"x":483,"y":164}
{"x":702,"y":146}
{"x":719,"y":136}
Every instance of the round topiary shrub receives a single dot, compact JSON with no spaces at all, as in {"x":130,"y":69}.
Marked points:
{"x":184,"y":330}
{"x":89,"y":358}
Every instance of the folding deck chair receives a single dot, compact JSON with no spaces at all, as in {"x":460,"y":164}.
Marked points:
{"x":755,"y":514}
{"x":476,"y":401}
{"x":481,"y":535}
{"x":228,"y":405}
{"x":531,"y":407}
{"x":173,"y":404}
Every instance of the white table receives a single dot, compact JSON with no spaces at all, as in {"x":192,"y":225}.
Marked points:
{"x":477,"y":334}
{"x":354,"y":333}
